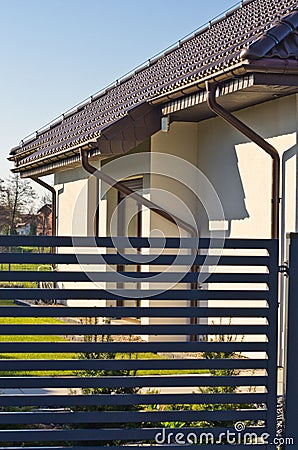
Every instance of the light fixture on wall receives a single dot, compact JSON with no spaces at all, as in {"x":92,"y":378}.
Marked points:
{"x":165,"y":124}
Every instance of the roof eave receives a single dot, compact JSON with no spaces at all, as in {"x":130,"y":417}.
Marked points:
{"x":63,"y":153}
{"x":138,"y":124}
{"x":265,"y":65}
{"x":239,"y":93}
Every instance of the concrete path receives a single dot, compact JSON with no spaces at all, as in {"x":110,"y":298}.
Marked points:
{"x":37,"y":391}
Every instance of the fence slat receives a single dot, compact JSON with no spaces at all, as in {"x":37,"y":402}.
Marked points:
{"x":117,"y":417}
{"x":122,"y":294}
{"x":132,"y":381}
{"x":137,"y":347}
{"x":118,"y":312}
{"x":152,"y":277}
{"x":139,"y":364}
{"x":99,"y":330}
{"x":97,"y":434}
{"x":94,"y":259}
{"x":139,"y":242}
{"x":132,"y":399}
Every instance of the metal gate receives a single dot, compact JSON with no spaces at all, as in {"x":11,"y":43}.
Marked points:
{"x":188,"y":366}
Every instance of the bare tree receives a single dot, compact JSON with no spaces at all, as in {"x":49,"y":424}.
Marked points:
{"x":46,"y":199}
{"x":16,"y":198}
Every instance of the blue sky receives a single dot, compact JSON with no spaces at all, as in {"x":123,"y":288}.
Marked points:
{"x":55,"y":53}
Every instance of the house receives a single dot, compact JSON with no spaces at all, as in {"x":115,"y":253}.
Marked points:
{"x":44,"y":220}
{"x":207,"y":132}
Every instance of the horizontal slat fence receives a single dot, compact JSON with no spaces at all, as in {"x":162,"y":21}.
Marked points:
{"x":133,"y":358}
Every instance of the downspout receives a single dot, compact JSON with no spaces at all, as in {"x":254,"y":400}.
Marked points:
{"x":134,"y":195}
{"x":54,"y":201}
{"x":268,"y":148}
{"x":257,"y":139}
{"x":148,"y":204}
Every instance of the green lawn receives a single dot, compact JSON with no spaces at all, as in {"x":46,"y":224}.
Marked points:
{"x":33,"y":338}
{"x":156,"y":372}
{"x":7,"y":303}
{"x":46,"y":338}
{"x":27,"y":249}
{"x":26,"y":267}
{"x":41,"y":321}
{"x":23,"y":267}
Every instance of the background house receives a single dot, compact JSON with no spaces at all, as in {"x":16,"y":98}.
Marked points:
{"x":44,"y":220}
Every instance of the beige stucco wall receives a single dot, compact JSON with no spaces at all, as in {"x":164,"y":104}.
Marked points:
{"x":238,"y":169}
{"x":180,"y":141}
{"x":77,"y":198}
{"x":76,"y":209}
{"x":241,"y":172}
{"x":174,"y":197}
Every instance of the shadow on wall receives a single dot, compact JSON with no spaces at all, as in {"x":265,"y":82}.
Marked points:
{"x":219,"y":162}
{"x":221,"y":146}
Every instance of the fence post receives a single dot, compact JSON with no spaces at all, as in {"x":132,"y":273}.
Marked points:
{"x":291,"y":405}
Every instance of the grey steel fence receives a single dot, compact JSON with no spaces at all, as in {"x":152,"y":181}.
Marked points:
{"x":161,"y":358}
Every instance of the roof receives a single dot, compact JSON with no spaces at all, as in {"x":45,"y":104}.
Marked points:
{"x":122,"y":116}
{"x":22,"y":225}
{"x":44,"y":209}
